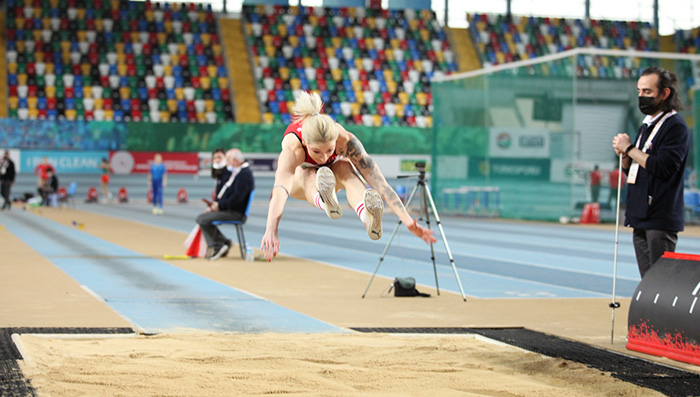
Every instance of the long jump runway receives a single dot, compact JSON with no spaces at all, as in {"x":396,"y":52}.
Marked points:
{"x":153,"y":295}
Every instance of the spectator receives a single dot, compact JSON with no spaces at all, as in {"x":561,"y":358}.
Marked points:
{"x":40,"y":172}
{"x":7,"y":179}
{"x":613,"y":177}
{"x":595,"y":184}
{"x":229,"y":205}
{"x":158,"y":179}
{"x":50,"y":188}
{"x":104,"y":180}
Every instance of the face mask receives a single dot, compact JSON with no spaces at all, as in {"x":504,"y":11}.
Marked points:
{"x":217,"y":169}
{"x":230,"y":168}
{"x":647,"y":105}
{"x":218,"y":165}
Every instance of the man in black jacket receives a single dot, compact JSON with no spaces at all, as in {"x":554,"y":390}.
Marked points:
{"x":7,"y":179}
{"x":655,"y":163}
{"x":230,"y":203}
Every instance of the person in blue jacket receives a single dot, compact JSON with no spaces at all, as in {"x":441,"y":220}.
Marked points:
{"x":655,"y":166}
{"x":158,"y":179}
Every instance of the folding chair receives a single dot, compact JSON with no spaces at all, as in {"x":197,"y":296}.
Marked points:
{"x":69,"y":197}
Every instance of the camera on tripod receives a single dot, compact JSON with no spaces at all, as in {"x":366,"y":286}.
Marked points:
{"x":420,"y":166}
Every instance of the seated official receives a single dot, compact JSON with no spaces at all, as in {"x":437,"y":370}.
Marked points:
{"x":230,"y":204}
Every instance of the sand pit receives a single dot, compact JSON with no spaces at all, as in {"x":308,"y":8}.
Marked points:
{"x":190,"y":364}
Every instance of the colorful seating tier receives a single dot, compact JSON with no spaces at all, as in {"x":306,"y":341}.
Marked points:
{"x":115,"y":60}
{"x":370,"y":67}
{"x":499,"y":40}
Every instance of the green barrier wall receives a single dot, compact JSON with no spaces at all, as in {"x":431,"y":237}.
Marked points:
{"x":520,"y":140}
{"x":263,"y":138}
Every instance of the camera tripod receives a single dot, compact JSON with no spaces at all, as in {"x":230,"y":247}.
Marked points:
{"x":427,"y":199}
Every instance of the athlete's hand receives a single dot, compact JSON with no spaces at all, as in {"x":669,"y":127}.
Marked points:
{"x":423,"y":233}
{"x":270,"y":245}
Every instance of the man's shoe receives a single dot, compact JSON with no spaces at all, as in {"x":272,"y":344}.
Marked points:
{"x":230,"y":244}
{"x":325,"y":184}
{"x":375,"y":209}
{"x":221,"y":252}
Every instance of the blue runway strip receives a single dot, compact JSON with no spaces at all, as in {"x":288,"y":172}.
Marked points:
{"x":152,"y":294}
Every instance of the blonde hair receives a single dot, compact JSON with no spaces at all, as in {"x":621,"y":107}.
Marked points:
{"x":317,"y":127}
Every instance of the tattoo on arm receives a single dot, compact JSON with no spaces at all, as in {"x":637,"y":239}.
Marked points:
{"x":356,"y":153}
{"x":367,"y":167}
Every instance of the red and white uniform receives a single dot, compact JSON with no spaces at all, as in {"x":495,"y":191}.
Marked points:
{"x":295,"y":128}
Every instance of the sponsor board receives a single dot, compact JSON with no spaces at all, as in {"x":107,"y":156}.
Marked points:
{"x":124,"y":162}
{"x":518,"y":143}
{"x":265,"y":164}
{"x":64,"y":162}
{"x":533,"y":169}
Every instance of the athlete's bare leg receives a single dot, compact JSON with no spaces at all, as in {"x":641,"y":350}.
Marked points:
{"x":304,"y":186}
{"x":347,"y":179}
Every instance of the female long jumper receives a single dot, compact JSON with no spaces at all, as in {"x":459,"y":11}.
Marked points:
{"x":316,"y":161}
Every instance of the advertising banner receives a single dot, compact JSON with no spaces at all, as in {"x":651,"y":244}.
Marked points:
{"x":125,"y":162}
{"x":524,"y":169}
{"x":518,"y":143}
{"x":64,"y":162}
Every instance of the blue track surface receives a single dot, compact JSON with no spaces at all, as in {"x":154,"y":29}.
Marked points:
{"x":495,"y":259}
{"x":154,"y":295}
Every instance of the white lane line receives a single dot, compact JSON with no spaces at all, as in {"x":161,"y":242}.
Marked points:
{"x":17,"y":339}
{"x":693,"y":305}
{"x":697,"y":288}
{"x":674,"y":301}
{"x":656,"y":298}
{"x":638,"y":295}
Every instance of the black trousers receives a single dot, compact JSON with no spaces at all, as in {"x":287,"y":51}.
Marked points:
{"x":5,"y":191}
{"x":212,"y":233}
{"x":650,"y":245}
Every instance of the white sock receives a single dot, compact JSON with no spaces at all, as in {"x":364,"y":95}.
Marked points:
{"x":361,"y":212}
{"x":318,"y":202}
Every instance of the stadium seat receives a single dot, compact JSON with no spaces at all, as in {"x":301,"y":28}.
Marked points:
{"x":76,"y":52}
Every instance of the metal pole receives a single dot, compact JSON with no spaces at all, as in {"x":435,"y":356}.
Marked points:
{"x":613,"y":304}
{"x":424,"y":192}
{"x":444,"y":240}
{"x":656,"y":16}
{"x":447,"y":12}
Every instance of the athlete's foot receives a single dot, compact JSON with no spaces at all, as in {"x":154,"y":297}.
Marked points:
{"x":325,"y":184}
{"x":375,"y":209}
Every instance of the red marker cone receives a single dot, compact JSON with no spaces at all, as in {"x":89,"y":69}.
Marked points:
{"x":92,"y":195}
{"x":182,"y":196}
{"x":195,"y":244}
{"x":122,"y":196}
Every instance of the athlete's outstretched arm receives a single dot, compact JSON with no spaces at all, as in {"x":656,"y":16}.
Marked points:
{"x":351,"y":147}
{"x":284,"y":179}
